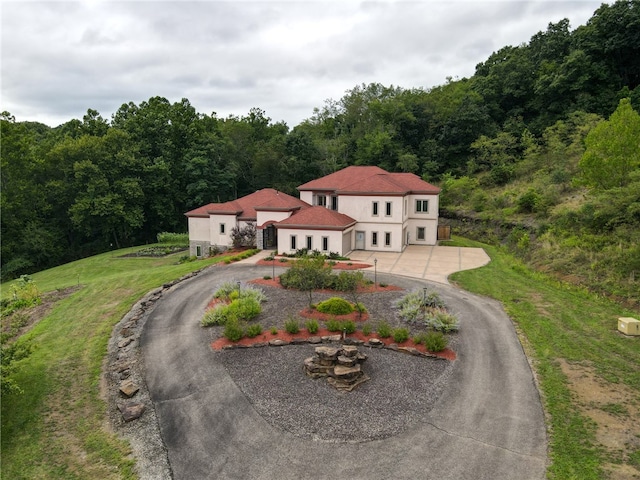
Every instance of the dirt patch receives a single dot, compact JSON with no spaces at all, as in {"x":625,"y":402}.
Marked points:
{"x":23,"y":320}
{"x":614,"y":408}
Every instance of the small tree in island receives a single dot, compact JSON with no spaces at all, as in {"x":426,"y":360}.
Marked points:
{"x":307,"y":274}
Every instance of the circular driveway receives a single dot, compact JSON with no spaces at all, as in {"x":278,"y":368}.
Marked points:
{"x":487,"y":424}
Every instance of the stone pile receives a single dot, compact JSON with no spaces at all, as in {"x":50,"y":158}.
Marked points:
{"x":341,"y":366}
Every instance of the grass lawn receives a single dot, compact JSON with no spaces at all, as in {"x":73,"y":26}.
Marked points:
{"x":561,"y":323}
{"x":56,"y":428}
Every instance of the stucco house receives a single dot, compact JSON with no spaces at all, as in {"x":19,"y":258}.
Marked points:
{"x":356,"y":208}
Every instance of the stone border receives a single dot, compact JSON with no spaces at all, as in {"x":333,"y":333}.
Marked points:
{"x":130,"y":410}
{"x":371,"y":343}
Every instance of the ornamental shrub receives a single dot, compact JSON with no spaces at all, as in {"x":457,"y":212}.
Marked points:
{"x":233,"y":330}
{"x":383,"y":330}
{"x":335,"y":306}
{"x":366,"y":329}
{"x":312,"y":326}
{"x":435,"y":341}
{"x":445,"y":322}
{"x":349,"y":326}
{"x":334,"y":325}
{"x":291,"y":325}
{"x":254,"y":330}
{"x":400,"y":335}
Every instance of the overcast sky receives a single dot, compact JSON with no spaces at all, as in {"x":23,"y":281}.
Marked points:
{"x":61,"y":58}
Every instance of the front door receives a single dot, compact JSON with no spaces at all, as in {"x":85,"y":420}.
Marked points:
{"x":270,"y":237}
{"x":359,"y":240}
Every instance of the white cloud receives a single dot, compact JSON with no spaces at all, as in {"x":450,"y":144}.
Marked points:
{"x":61,"y":58}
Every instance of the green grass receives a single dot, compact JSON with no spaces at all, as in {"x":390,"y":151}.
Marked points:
{"x":560,"y":321}
{"x":56,"y":428}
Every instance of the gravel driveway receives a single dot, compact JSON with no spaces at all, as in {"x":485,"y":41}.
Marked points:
{"x":253,"y":414}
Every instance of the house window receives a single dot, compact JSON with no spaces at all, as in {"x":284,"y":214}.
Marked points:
{"x":222,"y":228}
{"x":388,"y":209}
{"x":374,"y":239}
{"x":309,"y":242}
{"x":420,"y":233}
{"x":387,"y":239}
{"x":422,"y":206}
{"x":404,"y":208}
{"x":334,"y":202}
{"x":293,"y":242}
{"x":374,"y":209}
{"x":321,"y":200}
{"x":198,"y":250}
{"x":325,"y":244}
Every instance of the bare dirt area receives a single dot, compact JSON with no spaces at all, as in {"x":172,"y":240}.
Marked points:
{"x":23,"y":320}
{"x":614,"y":408}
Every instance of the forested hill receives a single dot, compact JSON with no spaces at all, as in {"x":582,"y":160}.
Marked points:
{"x":90,"y":185}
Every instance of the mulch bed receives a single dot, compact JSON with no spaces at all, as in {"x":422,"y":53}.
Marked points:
{"x":336,"y":266}
{"x":220,"y":343}
{"x":323,"y":317}
{"x":275,"y":282}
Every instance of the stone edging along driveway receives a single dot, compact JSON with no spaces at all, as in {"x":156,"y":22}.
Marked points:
{"x":486,"y":423}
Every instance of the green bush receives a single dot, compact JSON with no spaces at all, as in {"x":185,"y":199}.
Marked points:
{"x":292,"y":326}
{"x":366,"y":329}
{"x":169,"y":238}
{"x":335,"y":306}
{"x":445,"y":322}
{"x":267,"y":277}
{"x":312,"y":326}
{"x":349,"y":326}
{"x":233,"y":330}
{"x":334,"y":325}
{"x":435,"y":341}
{"x":400,"y":335}
{"x":274,"y":330}
{"x":214,"y":316}
{"x":254,"y":330}
{"x":383,"y":329}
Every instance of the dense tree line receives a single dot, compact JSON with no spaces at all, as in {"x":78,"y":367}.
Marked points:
{"x":90,"y":185}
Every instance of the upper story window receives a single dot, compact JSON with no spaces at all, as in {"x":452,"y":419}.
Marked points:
{"x":334,"y":202}
{"x":422,"y":206}
{"x":321,"y":200}
{"x":374,"y":209}
{"x":388,"y":209}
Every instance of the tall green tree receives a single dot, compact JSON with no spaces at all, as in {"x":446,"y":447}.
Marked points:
{"x":613,"y":149}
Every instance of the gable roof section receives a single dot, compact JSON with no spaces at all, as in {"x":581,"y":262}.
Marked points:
{"x":317,"y":218}
{"x":267,"y":199}
{"x":367,"y":180}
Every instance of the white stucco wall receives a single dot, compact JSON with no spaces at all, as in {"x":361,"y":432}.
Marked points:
{"x":223,"y":240}
{"x":381,"y":228}
{"x":360,"y":208}
{"x":430,"y":233}
{"x":198,"y":229}
{"x":264,"y":217}
{"x":307,"y":197}
{"x":334,"y":237}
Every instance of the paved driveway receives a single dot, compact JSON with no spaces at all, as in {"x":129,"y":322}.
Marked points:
{"x":434,"y":263}
{"x":487,"y":424}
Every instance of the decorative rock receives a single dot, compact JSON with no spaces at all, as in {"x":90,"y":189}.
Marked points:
{"x":277,"y":343}
{"x":347,"y":361}
{"x":125,"y":342}
{"x":131,"y":411}
{"x":331,"y":338}
{"x":298,"y":341}
{"x":349,"y":351}
{"x":126,"y":332}
{"x":375,"y":342}
{"x":353,"y":341}
{"x":393,"y":346}
{"x":409,"y":350}
{"x":128,"y":388}
{"x":314,"y":340}
{"x":260,"y":344}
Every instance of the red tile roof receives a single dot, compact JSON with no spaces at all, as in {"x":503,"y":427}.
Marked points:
{"x":246,"y":207}
{"x":367,"y":180}
{"x":317,"y":218}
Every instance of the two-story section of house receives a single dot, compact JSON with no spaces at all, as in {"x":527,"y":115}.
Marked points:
{"x":391,"y":210}
{"x":356,"y":208}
